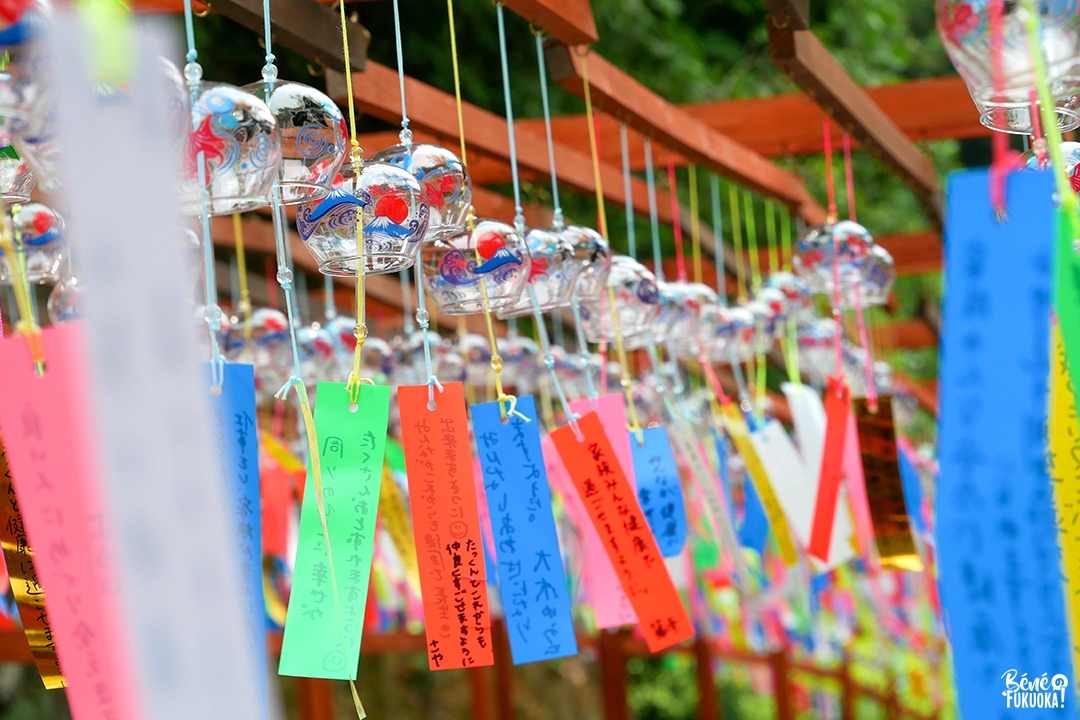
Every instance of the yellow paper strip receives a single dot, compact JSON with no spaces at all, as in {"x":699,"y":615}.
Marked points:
{"x":395,"y":519}
{"x":740,"y":435}
{"x":1065,"y":472}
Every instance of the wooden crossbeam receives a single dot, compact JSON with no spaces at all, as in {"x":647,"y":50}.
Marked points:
{"x":623,"y":97}
{"x":434,"y":112}
{"x":821,"y":76}
{"x":790,"y":123}
{"x":568,"y":21}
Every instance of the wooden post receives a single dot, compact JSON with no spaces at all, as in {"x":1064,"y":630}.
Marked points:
{"x":781,"y":666}
{"x":504,"y":672}
{"x":316,"y":699}
{"x":892,"y":702}
{"x":479,"y":687}
{"x":708,"y":697}
{"x":613,"y":675}
{"x":847,"y":690}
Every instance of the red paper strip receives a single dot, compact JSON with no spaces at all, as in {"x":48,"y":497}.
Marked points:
{"x":617,"y":517}
{"x":47,"y":434}
{"x":446,"y":522}
{"x":837,"y":407}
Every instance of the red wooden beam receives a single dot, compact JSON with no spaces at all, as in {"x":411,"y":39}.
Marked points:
{"x":790,"y":123}
{"x":623,"y":97}
{"x":568,"y":21}
{"x":821,"y":76}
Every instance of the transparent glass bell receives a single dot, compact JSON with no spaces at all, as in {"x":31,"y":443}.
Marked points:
{"x":717,"y":332}
{"x":454,"y":265}
{"x":270,"y":351}
{"x":964,"y":27}
{"x":409,"y":364}
{"x":878,"y":283}
{"x":316,"y":348}
{"x":447,"y":190}
{"x":39,"y":236}
{"x":395,"y":218}
{"x":23,"y":78}
{"x":593,"y":253}
{"x":800,"y":301}
{"x":813,"y":257}
{"x":681,"y":306}
{"x":237,"y":137}
{"x":16,"y":180}
{"x":520,"y":363}
{"x":637,"y":302}
{"x":552,"y":274}
{"x":313,"y":139}
{"x":744,"y":335}
{"x":765,"y":325}
{"x":817,"y":350}
{"x":65,"y":301}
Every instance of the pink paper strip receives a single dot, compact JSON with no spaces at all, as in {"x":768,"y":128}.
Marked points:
{"x":46,"y":426}
{"x":610,"y":604}
{"x":856,"y":486}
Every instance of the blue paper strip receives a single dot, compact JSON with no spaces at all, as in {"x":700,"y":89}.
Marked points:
{"x":753,"y":529}
{"x":996,"y":535}
{"x":659,"y":490}
{"x":531,"y":579}
{"x":236,"y":439}
{"x":913,"y":493}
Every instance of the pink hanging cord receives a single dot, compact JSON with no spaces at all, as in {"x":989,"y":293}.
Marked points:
{"x":680,"y":258}
{"x":860,"y":320}
{"x":831,"y":187}
{"x":850,"y":177}
{"x":1005,"y":160}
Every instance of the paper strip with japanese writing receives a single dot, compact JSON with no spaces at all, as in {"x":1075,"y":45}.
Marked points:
{"x":530,"y":566}
{"x":659,"y":490}
{"x":351,"y":450}
{"x":997,"y":539}
{"x":446,"y":527}
{"x":622,"y":527}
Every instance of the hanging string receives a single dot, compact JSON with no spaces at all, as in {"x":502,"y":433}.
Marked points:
{"x":406,"y":134}
{"x":631,"y":236}
{"x":785,"y":239}
{"x":770,"y":235}
{"x":830,"y":220}
{"x":654,"y":218}
{"x":330,"y":310}
{"x":519,"y":222}
{"x":406,"y":302}
{"x":736,"y":236}
{"x":24,"y":324}
{"x":695,"y":225}
{"x":1004,"y":159}
{"x":849,"y":177}
{"x":860,"y":319}
{"x":635,"y":426}
{"x":758,"y":373}
{"x":557,"y":213}
{"x":718,"y":240}
{"x":1066,"y":196}
{"x":193,"y":74}
{"x":244,"y":305}
{"x":673,"y":186}
{"x":507,"y":403}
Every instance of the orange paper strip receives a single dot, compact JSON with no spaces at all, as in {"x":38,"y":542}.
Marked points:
{"x":446,"y":527}
{"x":614,"y":511}
{"x":837,"y":406}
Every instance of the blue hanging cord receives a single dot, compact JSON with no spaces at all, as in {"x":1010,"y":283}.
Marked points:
{"x":519,"y":222}
{"x":406,"y":302}
{"x":557,"y":215}
{"x":193,"y":75}
{"x":631,"y":235}
{"x":423,"y":318}
{"x":718,"y":240}
{"x":654,"y":220}
{"x":331,"y":304}
{"x":406,"y":134}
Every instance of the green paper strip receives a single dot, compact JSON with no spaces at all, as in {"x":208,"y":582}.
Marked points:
{"x":1067,"y":293}
{"x":395,"y":455}
{"x":351,"y":447}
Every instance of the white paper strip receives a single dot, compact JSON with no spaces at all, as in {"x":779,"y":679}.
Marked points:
{"x":177,"y":561}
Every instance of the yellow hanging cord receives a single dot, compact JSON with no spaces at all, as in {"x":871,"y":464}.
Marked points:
{"x":736,"y":235}
{"x":25,"y":325}
{"x":770,"y":235}
{"x":785,"y":239}
{"x":242,"y":278}
{"x":695,"y":225}
{"x":356,"y":156}
{"x":627,"y":385}
{"x":755,"y":274}
{"x":507,"y":403}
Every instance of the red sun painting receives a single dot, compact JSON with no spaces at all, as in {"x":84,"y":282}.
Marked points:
{"x":393,"y":208}
{"x":489,"y":243}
